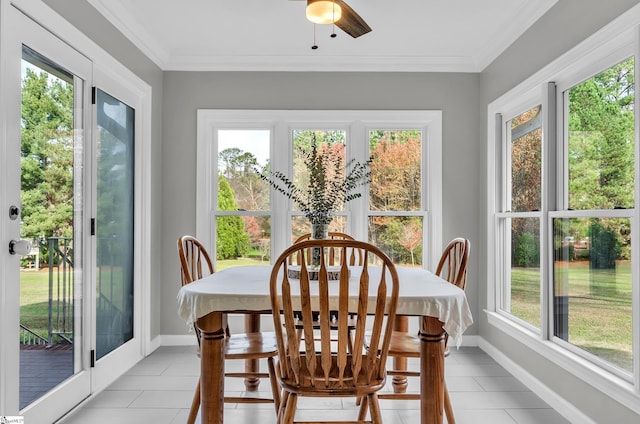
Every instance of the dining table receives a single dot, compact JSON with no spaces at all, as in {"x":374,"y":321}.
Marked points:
{"x":442,"y":307}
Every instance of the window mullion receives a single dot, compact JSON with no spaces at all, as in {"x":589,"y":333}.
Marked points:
{"x":551,"y":149}
{"x":282,"y":160}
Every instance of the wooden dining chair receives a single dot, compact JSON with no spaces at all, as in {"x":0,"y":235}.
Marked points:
{"x":355,"y":255}
{"x":195,"y":264}
{"x":453,"y":268}
{"x":320,"y":365}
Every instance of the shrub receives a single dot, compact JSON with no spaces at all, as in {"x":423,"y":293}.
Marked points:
{"x":231,"y":239}
{"x":527,"y":251}
{"x":605,"y":247}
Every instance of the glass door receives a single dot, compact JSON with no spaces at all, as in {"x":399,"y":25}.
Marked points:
{"x":117,"y":341}
{"x":70,"y":286}
{"x":46,"y":102}
{"x":114,"y":224}
{"x":49,"y":183}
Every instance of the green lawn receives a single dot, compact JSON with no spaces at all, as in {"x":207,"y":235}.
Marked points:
{"x":599,"y":306}
{"x":34,"y":294}
{"x":228,"y":263}
{"x":34,"y":300}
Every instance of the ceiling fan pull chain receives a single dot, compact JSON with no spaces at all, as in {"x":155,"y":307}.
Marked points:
{"x":315,"y":46}
{"x":333,"y":21}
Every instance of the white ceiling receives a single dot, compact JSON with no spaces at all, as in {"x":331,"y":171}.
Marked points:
{"x":274,"y":35}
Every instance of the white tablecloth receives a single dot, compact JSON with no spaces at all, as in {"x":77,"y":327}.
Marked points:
{"x":246,"y":288}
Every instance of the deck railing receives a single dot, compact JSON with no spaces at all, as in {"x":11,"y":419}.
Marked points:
{"x":60,"y":289}
{"x":31,"y":338}
{"x":60,"y":324}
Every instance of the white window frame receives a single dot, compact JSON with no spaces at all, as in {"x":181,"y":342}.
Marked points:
{"x":356,"y":123}
{"x":503,"y":213}
{"x":615,"y":42}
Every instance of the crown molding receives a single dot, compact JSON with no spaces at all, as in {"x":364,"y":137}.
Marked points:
{"x":165,"y":60}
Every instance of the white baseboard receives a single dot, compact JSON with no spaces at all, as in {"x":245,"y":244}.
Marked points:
{"x":564,"y":408}
{"x":467,"y":341}
{"x":190,"y":339}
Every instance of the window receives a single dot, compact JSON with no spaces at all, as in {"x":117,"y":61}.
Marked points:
{"x":592,"y":237}
{"x":333,"y":140}
{"x":521,"y":217}
{"x":241,"y":207}
{"x":244,"y":221}
{"x":396,"y":208}
{"x":563,"y":230}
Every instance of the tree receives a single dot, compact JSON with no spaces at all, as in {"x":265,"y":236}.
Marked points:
{"x":527,"y":251}
{"x":252,"y":227}
{"x":601,"y":138}
{"x":47,"y":155}
{"x":239,"y":168}
{"x":526,"y":185}
{"x":602,"y":147}
{"x":396,"y":175}
{"x":600,"y":154}
{"x":329,"y":143}
{"x":605,"y":247}
{"x":396,"y":185}
{"x":411,"y":238}
{"x":231,"y":239}
{"x":526,"y":162}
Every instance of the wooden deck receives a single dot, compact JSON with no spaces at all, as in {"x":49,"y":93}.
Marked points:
{"x":41,"y":369}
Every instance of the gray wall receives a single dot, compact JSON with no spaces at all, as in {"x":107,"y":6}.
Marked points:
{"x":84,"y":17}
{"x":564,"y":26}
{"x":184,"y":92}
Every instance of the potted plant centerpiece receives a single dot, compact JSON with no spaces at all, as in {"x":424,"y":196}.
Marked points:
{"x":332,"y":183}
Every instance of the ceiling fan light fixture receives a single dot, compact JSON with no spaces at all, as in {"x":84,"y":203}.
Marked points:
{"x":323,"y":11}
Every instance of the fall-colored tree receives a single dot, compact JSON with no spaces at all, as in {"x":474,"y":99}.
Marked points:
{"x":396,"y":175}
{"x":396,"y":185}
{"x":526,"y":161}
{"x":411,"y":238}
{"x":252,"y":227}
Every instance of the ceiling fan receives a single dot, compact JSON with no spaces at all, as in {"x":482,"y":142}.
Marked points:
{"x":339,"y":13}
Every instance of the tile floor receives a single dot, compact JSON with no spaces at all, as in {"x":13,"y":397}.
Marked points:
{"x":159,"y":390}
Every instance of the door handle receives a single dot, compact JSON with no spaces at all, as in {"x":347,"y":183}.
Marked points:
{"x":19,"y":247}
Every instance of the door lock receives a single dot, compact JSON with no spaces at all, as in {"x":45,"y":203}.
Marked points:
{"x":14,"y":212}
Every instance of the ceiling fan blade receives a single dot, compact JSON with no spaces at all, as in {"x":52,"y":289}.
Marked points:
{"x":351,"y":22}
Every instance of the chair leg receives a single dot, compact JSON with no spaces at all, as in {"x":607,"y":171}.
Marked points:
{"x":275,"y":389}
{"x":195,"y":405}
{"x":448,"y":410}
{"x":283,"y":406}
{"x":374,"y":408}
{"x":290,"y":409}
{"x":363,"y":401}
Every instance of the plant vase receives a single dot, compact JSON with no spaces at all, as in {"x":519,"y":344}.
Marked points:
{"x":319,"y":231}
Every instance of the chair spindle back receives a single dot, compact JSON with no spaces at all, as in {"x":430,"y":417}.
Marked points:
{"x":453,"y":262}
{"x":371,"y":293}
